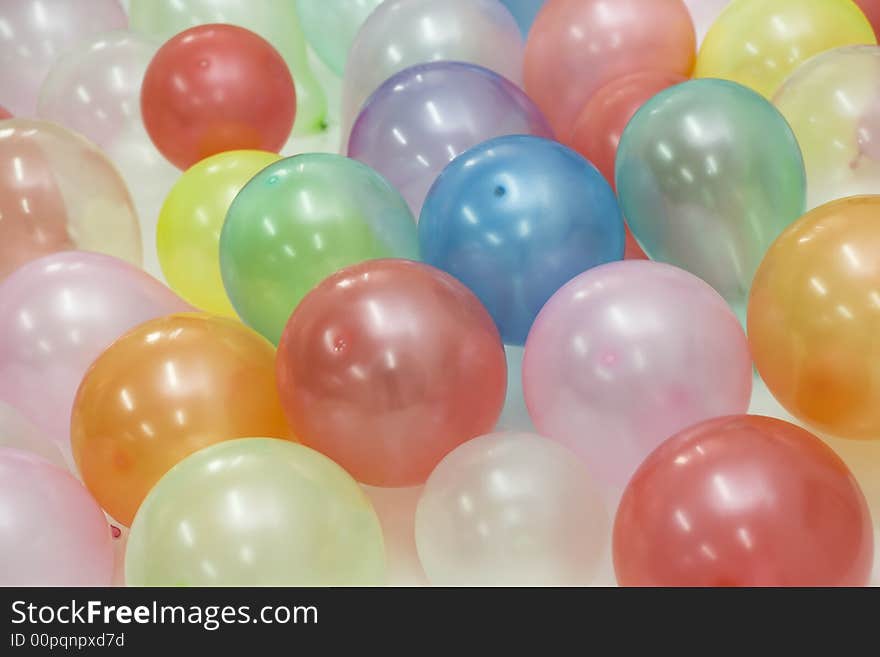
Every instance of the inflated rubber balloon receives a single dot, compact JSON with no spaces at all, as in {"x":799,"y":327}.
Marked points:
{"x":387,"y":366}
{"x":510,"y":509}
{"x":403,"y":33}
{"x":627,"y":354}
{"x":743,"y":501}
{"x":524,"y":11}
{"x":36,"y":33}
{"x":275,"y":21}
{"x":188,"y":233}
{"x":59,"y":192}
{"x":759,"y":43}
{"x":53,"y":533}
{"x":316,"y":214}
{"x":57,"y":315}
{"x":704,"y":14}
{"x":832,"y":103}
{"x":425,"y":116}
{"x":708,"y":175}
{"x":216,"y":88}
{"x":813,"y":318}
{"x":600,"y":124}
{"x":256,"y":512}
{"x":516,"y":218}
{"x":95,"y":89}
{"x":576,"y":47}
{"x":331,"y":26}
{"x":4,"y":113}
{"x":164,"y":390}
{"x":18,"y":433}
{"x":871,"y":9}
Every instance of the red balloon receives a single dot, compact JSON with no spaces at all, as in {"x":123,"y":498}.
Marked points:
{"x":216,"y":88}
{"x":575,"y":47}
{"x":4,"y":113}
{"x":387,"y":366}
{"x":743,"y":501}
{"x":871,"y":9}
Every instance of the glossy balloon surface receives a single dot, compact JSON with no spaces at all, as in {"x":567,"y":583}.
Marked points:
{"x":832,"y":103}
{"x":743,"y":501}
{"x":216,"y":88}
{"x":256,"y":512}
{"x":59,"y":192}
{"x":627,"y":354}
{"x":53,"y":533}
{"x":425,"y":116}
{"x":387,"y":366}
{"x":95,"y":90}
{"x":403,"y":33}
{"x":331,"y":26}
{"x":37,"y":33}
{"x":759,"y":43}
{"x":188,"y":232}
{"x":57,"y":314}
{"x":813,"y":318}
{"x":576,"y":47}
{"x":510,"y":509}
{"x":709,"y":174}
{"x":871,"y":9}
{"x":317,"y":213}
{"x":164,"y":390}
{"x":17,"y":432}
{"x":275,"y":21}
{"x":516,"y":218}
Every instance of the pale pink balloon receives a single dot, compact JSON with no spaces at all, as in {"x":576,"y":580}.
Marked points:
{"x":627,"y":354}
{"x":36,"y":33}
{"x":52,"y":532}
{"x":575,"y":47}
{"x":57,"y":314}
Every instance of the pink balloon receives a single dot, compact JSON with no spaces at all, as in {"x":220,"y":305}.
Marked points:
{"x":52,"y":532}
{"x":575,"y":47}
{"x":36,"y":33}
{"x":4,"y":113}
{"x":57,"y":314}
{"x":627,"y":354}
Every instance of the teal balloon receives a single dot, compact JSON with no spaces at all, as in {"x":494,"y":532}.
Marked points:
{"x":331,"y":25}
{"x":298,"y":221}
{"x":524,"y":11}
{"x":709,"y":174}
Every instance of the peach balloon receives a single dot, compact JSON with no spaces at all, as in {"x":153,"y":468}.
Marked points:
{"x":814,"y":317}
{"x":575,"y":47}
{"x":389,"y":365}
{"x":165,"y":390}
{"x":871,"y":9}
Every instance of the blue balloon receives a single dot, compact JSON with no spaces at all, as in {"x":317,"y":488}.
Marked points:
{"x":524,"y":11}
{"x":514,"y":219}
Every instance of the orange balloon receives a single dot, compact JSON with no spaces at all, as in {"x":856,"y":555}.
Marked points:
{"x":814,"y":318}
{"x":165,"y":390}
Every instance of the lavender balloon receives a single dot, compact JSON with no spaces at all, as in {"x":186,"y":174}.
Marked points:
{"x":627,"y":354}
{"x":422,"y":118}
{"x":52,"y":532}
{"x":57,"y":314}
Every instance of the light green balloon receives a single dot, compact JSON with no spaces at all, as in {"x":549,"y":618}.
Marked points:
{"x":331,"y":25}
{"x":300,"y":220}
{"x":256,"y":512}
{"x":274,"y":20}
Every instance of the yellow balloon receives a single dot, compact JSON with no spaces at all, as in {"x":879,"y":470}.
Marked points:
{"x":758,"y":43}
{"x":188,"y":232}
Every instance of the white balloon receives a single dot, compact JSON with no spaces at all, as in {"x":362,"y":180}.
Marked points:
{"x":511,"y":509}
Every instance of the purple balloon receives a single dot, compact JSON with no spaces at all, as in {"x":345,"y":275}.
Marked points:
{"x":628,"y":354}
{"x":420,"y":119}
{"x":57,"y":314}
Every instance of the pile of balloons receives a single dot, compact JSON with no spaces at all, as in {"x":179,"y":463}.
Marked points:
{"x":311,"y":293}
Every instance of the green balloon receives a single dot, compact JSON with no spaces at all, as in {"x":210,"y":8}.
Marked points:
{"x":300,"y":220}
{"x":256,"y":512}
{"x":274,"y":20}
{"x":331,"y":25}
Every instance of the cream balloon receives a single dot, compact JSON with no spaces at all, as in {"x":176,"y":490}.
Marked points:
{"x":255,"y":512}
{"x":510,"y":509}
